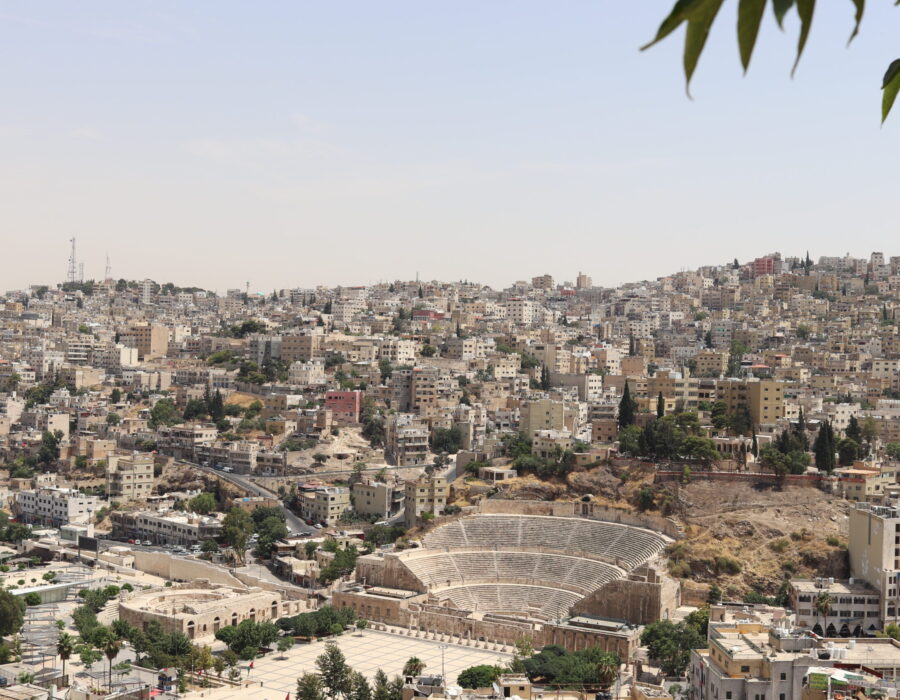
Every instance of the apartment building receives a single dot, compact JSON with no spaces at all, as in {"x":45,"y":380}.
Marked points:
{"x":344,"y":406}
{"x":375,"y":498}
{"x":151,"y":340}
{"x":302,"y":347}
{"x":874,"y":546}
{"x":747,"y":659}
{"x":406,"y":440}
{"x":710,"y":363}
{"x":166,"y":528}
{"x":129,"y":478}
{"x":763,"y":398}
{"x":684,"y":391}
{"x":54,"y":507}
{"x":309,"y":373}
{"x":182,"y":441}
{"x":325,"y":505}
{"x":424,"y":495}
{"x":855,"y":607}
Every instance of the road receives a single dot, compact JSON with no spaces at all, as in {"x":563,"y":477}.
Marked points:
{"x":293,"y":522}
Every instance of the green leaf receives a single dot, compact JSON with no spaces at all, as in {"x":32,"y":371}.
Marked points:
{"x":805,"y":9}
{"x":679,"y":14}
{"x":860,"y":8}
{"x":750,"y":14}
{"x":890,"y":85}
{"x":699,"y":22}
{"x":780,"y":7}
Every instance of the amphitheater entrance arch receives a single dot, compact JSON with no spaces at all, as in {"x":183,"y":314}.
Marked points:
{"x":217,"y":623}
{"x":191,"y":630}
{"x":252,"y":615}
{"x":274,"y":609}
{"x":234,"y":619}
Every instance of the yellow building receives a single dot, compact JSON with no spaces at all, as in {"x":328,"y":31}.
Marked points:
{"x":763,"y":398}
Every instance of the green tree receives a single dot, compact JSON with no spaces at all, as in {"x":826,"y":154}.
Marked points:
{"x":892,"y":449}
{"x":65,"y":647}
{"x":670,"y":644}
{"x":626,"y":408}
{"x":12,"y":613}
{"x":478,"y":676}
{"x":237,"y":528}
{"x":848,"y":452}
{"x":381,"y":686}
{"x":310,"y":687}
{"x":284,"y":643}
{"x":164,"y":413}
{"x":203,"y":503}
{"x":334,"y":671}
{"x":660,"y":406}
{"x":359,"y":687}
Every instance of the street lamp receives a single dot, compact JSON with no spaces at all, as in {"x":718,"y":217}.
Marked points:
{"x":443,"y":677}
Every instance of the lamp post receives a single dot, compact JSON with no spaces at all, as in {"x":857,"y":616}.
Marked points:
{"x":443,"y":677}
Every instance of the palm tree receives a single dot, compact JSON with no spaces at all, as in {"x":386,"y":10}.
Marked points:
{"x":413,"y":666}
{"x":607,"y":670}
{"x":106,"y":642}
{"x":65,"y":646}
{"x":822,"y":605}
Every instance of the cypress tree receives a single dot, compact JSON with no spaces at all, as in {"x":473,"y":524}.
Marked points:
{"x":660,"y":406}
{"x":754,"y":446}
{"x":631,"y":348}
{"x":853,"y":430}
{"x":626,"y":408}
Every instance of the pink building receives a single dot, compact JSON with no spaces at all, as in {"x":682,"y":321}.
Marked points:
{"x":763,"y":266}
{"x":344,"y":406}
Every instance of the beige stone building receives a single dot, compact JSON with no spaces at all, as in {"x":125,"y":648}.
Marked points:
{"x":325,"y":505}
{"x":764,"y":398}
{"x":874,"y":546}
{"x":151,"y":340}
{"x":424,"y":495}
{"x":199,"y":609}
{"x":129,"y":478}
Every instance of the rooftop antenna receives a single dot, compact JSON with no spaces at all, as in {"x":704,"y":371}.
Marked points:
{"x":108,"y":273}
{"x":70,"y":275}
{"x":81,"y":272}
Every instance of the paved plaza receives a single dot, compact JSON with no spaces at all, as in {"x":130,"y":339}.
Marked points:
{"x":366,"y":654}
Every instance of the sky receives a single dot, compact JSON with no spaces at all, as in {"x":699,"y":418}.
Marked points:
{"x":293,"y":143}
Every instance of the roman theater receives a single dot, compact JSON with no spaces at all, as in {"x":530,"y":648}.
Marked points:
{"x":557,"y":573}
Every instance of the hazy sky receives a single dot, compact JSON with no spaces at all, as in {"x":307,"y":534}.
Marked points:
{"x":334,"y":142}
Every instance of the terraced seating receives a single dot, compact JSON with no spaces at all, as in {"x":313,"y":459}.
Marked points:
{"x":535,"y":600}
{"x":445,"y":568}
{"x":632,"y":546}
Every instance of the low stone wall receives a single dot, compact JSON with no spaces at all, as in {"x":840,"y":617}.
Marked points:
{"x":812,"y":480}
{"x":180,"y":569}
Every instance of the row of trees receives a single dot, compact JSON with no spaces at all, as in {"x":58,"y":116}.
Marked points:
{"x":335,"y":679}
{"x":669,"y":437}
